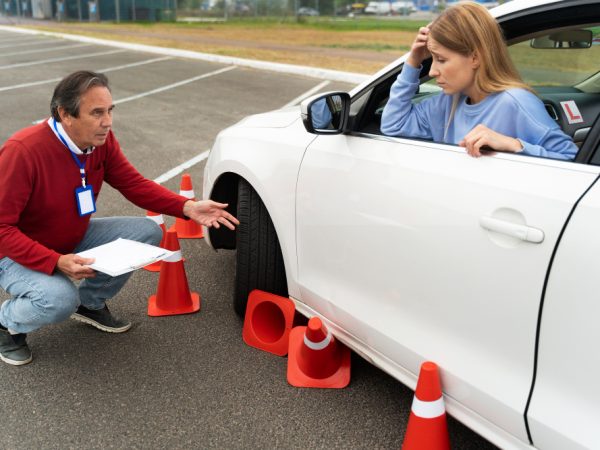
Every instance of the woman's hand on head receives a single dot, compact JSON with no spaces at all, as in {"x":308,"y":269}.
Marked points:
{"x":481,"y":136}
{"x":418,"y":50}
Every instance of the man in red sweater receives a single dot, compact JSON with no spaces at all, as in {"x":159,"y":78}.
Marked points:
{"x":50,"y":178}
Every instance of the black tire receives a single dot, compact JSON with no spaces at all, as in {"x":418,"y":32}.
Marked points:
{"x":259,"y":262}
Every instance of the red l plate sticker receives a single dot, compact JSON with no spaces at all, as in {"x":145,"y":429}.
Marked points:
{"x":572,"y":111}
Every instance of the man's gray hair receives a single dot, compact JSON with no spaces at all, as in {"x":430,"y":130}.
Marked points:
{"x":67,"y":93}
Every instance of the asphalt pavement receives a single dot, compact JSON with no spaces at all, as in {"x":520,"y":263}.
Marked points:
{"x":184,"y":381}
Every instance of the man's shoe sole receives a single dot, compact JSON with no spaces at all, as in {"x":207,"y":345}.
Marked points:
{"x":98,"y":325}
{"x":15,"y":362}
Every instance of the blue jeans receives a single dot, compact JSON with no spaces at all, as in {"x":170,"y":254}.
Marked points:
{"x":39,"y":299}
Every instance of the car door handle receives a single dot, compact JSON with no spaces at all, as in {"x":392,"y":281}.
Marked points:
{"x":523,"y":232}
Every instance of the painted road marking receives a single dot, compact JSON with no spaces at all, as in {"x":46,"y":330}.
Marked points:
{"x":109,"y":69}
{"x":38,"y":50}
{"x":46,"y":61}
{"x":37,"y":41}
{"x":181,"y":167}
{"x":163,"y":88}
{"x":307,"y":94}
{"x":174,"y":85}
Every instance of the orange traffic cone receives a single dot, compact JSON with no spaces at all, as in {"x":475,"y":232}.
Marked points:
{"x":268,"y":322}
{"x":316,"y":358}
{"x":173,"y":296}
{"x":187,"y":229}
{"x":427,"y":428}
{"x":158,"y":218}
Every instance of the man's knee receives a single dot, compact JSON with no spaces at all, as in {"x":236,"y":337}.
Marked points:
{"x":39,"y":307}
{"x":149,"y":232}
{"x":59,"y":303}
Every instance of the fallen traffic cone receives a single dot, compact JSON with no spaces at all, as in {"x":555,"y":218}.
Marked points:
{"x":158,"y":218}
{"x":173,"y":295}
{"x":268,"y":322}
{"x":316,"y":358}
{"x":187,"y":229}
{"x":427,"y":428}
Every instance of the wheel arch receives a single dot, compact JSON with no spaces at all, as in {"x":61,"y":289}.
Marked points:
{"x":225,"y":190}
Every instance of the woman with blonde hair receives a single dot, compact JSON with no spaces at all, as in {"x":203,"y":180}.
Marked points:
{"x":484,"y":101}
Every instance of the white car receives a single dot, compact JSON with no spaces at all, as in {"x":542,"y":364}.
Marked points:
{"x":411,"y":250}
{"x":384,"y":8}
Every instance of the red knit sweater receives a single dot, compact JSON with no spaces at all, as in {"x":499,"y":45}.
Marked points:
{"x":38,"y":212}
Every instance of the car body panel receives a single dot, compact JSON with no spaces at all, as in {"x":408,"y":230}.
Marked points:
{"x":382,"y":237}
{"x":467,"y":416}
{"x":522,"y":5}
{"x":562,"y":414}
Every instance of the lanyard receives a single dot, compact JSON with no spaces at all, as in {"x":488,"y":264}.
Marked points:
{"x":75,"y":158}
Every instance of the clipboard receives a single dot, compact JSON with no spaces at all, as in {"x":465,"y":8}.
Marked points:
{"x":124,"y":255}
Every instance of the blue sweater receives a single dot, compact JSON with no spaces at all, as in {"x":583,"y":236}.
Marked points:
{"x":515,"y":112}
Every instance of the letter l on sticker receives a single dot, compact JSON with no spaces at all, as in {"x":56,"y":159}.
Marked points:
{"x":572,"y":111}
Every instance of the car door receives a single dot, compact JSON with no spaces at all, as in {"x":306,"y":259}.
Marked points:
{"x":563,"y":412}
{"x":421,"y":252}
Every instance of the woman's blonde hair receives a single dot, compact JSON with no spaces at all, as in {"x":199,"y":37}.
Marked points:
{"x":468,"y":28}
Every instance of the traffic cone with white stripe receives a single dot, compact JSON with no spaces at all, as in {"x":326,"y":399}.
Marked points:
{"x":427,"y":428}
{"x":268,"y":322}
{"x":158,"y":218}
{"x":316,"y":358}
{"x":173,"y":295}
{"x":187,"y":229}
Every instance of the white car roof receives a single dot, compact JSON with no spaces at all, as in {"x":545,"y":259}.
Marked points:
{"x":518,"y":5}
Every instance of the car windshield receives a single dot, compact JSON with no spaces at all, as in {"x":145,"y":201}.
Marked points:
{"x":558,"y":66}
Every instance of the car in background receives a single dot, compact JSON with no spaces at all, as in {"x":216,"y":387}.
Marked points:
{"x":351,"y":10}
{"x":388,"y":8}
{"x":306,"y":11}
{"x":358,"y":7}
{"x":410,"y":250}
{"x":404,"y":8}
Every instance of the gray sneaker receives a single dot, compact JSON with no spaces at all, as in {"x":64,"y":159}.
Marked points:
{"x":101,"y":319}
{"x":13,"y":348}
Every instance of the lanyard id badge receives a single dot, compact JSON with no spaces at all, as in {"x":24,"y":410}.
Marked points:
{"x":84,"y":197}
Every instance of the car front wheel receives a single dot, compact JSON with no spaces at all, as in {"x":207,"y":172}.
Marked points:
{"x":259,"y":262}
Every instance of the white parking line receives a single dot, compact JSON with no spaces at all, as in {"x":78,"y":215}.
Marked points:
{"x":180,"y":168}
{"x":37,"y":41}
{"x":307,"y":94}
{"x":109,"y":69}
{"x":162,"y":89}
{"x":174,"y":85}
{"x":45,"y":61}
{"x":9,"y":41}
{"x":38,"y":50}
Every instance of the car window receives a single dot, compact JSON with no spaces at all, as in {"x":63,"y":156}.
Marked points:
{"x":557,"y":75}
{"x":568,"y":67}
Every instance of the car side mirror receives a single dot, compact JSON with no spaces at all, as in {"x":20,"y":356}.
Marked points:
{"x":326,"y":113}
{"x":564,"y":39}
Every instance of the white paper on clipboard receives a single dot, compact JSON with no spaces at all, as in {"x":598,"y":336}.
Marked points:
{"x":124,"y":255}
